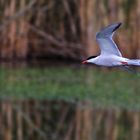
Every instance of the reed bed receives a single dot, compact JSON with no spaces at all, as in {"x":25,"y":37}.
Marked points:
{"x":41,"y":120}
{"x":65,"y":28}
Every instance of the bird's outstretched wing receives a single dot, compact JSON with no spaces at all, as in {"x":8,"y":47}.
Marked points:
{"x":105,"y":41}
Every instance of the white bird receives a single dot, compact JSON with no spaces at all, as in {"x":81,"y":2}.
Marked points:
{"x":110,"y":55}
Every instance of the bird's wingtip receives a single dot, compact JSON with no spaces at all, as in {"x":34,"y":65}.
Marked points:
{"x":120,"y":23}
{"x":117,"y":26}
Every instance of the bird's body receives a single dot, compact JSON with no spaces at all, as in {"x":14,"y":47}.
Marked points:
{"x":113,"y":60}
{"x":110,"y":55}
{"x":109,"y":61}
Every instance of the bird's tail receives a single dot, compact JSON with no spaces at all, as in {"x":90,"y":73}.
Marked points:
{"x":135,"y":62}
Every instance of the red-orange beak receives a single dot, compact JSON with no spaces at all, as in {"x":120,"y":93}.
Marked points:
{"x":84,"y":62}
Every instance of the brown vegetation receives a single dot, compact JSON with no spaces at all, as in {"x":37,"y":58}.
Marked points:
{"x":54,"y":120}
{"x":66,"y":28}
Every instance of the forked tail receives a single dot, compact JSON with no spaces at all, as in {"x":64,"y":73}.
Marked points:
{"x":135,"y":62}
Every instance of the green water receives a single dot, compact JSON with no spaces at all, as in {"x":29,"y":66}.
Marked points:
{"x":105,"y":88}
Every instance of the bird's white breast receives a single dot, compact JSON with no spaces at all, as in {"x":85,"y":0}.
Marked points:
{"x":109,"y":60}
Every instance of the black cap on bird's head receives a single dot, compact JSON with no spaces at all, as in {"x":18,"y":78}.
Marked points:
{"x":86,"y":61}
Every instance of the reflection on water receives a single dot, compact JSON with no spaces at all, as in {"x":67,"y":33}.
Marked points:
{"x":59,"y":120}
{"x":69,"y":82}
{"x":79,"y":103}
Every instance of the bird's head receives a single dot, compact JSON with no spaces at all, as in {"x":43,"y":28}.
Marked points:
{"x":89,"y":60}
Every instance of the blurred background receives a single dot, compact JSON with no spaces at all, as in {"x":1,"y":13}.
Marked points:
{"x":45,"y":92}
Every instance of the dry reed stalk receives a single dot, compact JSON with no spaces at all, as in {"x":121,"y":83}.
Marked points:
{"x":40,"y":16}
{"x":38,"y":116}
{"x":70,"y":130}
{"x":138,"y":31}
{"x":119,"y":11}
{"x":3,"y":127}
{"x":61,"y":123}
{"x":135,"y":125}
{"x":19,"y":122}
{"x":87,"y":20}
{"x":103,"y":14}
{"x":9,"y":122}
{"x":27,"y":111}
{"x":78,"y":121}
{"x":11,"y":33}
{"x":21,"y":48}
{"x":113,"y":10}
{"x":111,"y":124}
{"x":82,"y":18}
{"x":91,"y":47}
{"x":87,"y":121}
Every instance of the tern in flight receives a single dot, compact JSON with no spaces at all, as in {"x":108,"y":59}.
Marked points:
{"x":110,"y":55}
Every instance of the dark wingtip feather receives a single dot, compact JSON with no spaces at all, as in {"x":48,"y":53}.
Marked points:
{"x":91,"y":57}
{"x":117,"y":26}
